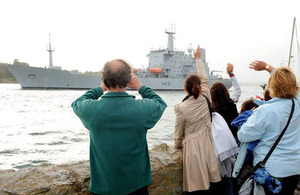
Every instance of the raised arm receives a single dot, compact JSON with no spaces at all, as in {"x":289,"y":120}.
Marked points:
{"x":85,"y":103}
{"x":202,"y":73}
{"x":261,"y":65}
{"x":153,"y":104}
{"x":236,"y":86}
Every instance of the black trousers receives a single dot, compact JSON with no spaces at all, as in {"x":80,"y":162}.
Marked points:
{"x":141,"y":191}
{"x":289,"y":185}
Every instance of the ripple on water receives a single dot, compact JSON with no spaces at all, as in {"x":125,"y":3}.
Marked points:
{"x":78,"y":140}
{"x":10,"y":152}
{"x":43,"y":133}
{"x":33,"y":163}
{"x":57,"y":143}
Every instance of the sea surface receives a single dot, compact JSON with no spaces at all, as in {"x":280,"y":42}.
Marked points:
{"x":39,"y":127}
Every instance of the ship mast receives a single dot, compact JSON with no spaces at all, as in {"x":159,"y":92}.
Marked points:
{"x":291,"y":46}
{"x":170,"y":33}
{"x":50,"y":50}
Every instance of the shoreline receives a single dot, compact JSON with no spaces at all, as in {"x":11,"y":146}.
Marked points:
{"x":74,"y":178}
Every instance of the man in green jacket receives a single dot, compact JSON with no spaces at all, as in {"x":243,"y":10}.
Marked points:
{"x":118,"y":124}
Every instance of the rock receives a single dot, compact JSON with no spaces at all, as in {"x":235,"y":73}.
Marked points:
{"x":74,"y":178}
{"x":166,"y":164}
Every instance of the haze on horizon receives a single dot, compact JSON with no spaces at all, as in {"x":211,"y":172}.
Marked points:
{"x":86,"y":34}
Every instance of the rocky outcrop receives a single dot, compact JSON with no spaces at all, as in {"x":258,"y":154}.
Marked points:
{"x":166,"y":166}
{"x":73,"y":178}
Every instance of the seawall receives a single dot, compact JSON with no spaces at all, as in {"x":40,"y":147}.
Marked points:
{"x":73,"y":178}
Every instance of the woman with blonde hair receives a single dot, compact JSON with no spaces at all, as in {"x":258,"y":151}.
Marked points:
{"x":193,"y":133}
{"x":267,"y":122}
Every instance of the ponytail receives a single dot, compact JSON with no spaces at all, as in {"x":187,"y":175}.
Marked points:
{"x":196,"y":90}
{"x":192,"y":85}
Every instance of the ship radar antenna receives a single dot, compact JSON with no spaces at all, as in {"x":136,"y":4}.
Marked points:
{"x":190,"y":50}
{"x":170,"y":33}
{"x":50,"y":50}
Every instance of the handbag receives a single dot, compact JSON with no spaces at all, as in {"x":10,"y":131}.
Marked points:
{"x":248,"y":182}
{"x":251,"y":187}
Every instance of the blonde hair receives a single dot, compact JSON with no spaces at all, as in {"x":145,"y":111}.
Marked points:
{"x":283,"y":84}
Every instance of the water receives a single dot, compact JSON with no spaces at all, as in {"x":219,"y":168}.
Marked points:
{"x":39,"y":127}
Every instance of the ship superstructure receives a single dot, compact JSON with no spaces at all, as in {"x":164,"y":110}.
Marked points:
{"x":168,"y":67}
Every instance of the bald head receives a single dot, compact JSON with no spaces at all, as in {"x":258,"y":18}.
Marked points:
{"x":116,"y":73}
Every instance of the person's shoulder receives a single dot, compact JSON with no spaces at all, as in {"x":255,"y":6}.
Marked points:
{"x":181,"y":107}
{"x":298,"y":96}
{"x":231,"y":106}
{"x":177,"y":108}
{"x":268,"y":109}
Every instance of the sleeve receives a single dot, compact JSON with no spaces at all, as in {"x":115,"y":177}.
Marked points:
{"x":203,"y":78}
{"x":254,"y":128}
{"x":154,"y":104}
{"x":84,"y":104}
{"x":237,"y":89}
{"x":179,"y":128}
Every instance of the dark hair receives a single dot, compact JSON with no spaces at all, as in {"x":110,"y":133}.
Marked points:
{"x":192,"y":85}
{"x":116,"y":73}
{"x":219,"y":95}
{"x":267,"y":96}
{"x":248,"y":105}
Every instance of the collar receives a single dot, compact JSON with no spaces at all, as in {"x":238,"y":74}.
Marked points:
{"x":116,"y":95}
{"x":262,"y":102}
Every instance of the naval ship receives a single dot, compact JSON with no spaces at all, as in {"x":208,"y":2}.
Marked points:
{"x":167,"y":70}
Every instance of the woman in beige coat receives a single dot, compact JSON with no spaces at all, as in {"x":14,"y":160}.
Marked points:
{"x":193,"y":133}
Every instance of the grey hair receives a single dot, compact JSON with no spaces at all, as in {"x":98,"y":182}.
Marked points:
{"x":116,"y":75}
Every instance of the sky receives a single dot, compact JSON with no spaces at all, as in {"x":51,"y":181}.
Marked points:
{"x":87,"y":33}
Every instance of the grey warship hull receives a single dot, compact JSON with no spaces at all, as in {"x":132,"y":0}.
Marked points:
{"x":44,"y":78}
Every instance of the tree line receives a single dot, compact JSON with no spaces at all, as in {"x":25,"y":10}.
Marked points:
{"x":5,"y":75}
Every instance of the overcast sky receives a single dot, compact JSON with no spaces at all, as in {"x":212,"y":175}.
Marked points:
{"x":85,"y":34}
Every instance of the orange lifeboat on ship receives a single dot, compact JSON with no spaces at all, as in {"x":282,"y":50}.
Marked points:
{"x":155,"y":70}
{"x":135,"y":70}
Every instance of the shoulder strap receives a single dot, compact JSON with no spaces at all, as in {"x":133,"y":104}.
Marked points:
{"x":210,"y":107}
{"x":280,"y":136}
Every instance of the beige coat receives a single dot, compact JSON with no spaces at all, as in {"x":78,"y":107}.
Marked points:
{"x":193,"y":132}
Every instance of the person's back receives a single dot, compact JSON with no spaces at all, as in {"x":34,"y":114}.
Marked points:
{"x":193,"y":133}
{"x":267,"y":123}
{"x":118,"y":124}
{"x":223,"y":104}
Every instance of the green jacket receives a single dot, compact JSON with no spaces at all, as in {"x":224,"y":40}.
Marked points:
{"x":118,"y":124}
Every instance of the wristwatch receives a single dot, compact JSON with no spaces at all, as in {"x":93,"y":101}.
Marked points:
{"x":267,"y":67}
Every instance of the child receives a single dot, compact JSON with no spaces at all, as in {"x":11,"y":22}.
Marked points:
{"x":246,"y":149}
